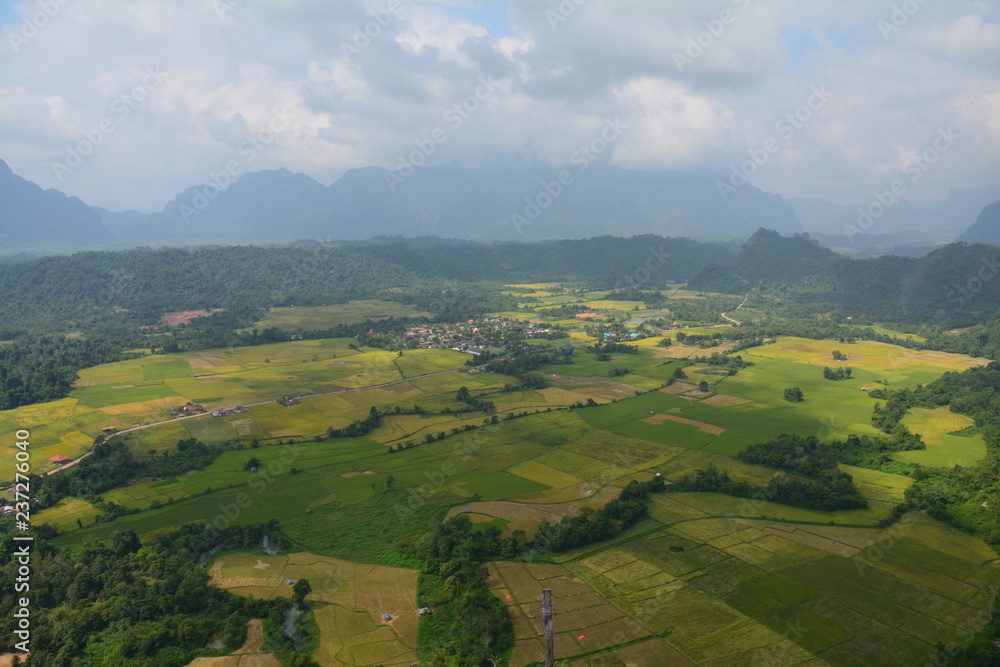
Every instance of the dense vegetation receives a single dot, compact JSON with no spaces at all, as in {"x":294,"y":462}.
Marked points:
{"x":43,"y":368}
{"x":469,"y":624}
{"x":731,"y":363}
{"x":808,"y":456}
{"x":603,"y":524}
{"x":125,"y":601}
{"x":960,"y":495}
{"x":112,"y":465}
{"x":358,"y":428}
{"x":830,"y":490}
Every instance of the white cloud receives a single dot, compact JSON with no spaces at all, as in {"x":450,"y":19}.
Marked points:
{"x":225,"y":77}
{"x":670,"y":126}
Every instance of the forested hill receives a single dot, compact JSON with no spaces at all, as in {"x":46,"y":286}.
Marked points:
{"x":957,"y":284}
{"x":65,"y":293}
{"x":56,"y":294}
{"x":605,"y":261}
{"x":60,"y":293}
{"x":770,"y":257}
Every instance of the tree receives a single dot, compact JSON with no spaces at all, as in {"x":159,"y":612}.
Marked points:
{"x":389,"y":481}
{"x":124,"y":542}
{"x":252,"y":464}
{"x":300,"y":590}
{"x":794,"y":395}
{"x":703,"y":386}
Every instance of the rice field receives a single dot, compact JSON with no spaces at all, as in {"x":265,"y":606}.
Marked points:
{"x":706,"y":579}
{"x":351,"y":602}
{"x":944,"y":448}
{"x":584,"y":621}
{"x":753,"y":408}
{"x":143,"y":391}
{"x":734,"y":591}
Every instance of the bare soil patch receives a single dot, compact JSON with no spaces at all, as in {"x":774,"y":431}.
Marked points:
{"x":509,"y":511}
{"x":724,"y":400}
{"x":203,"y":360}
{"x":184,"y":316}
{"x":255,"y":637}
{"x":702,"y":426}
{"x":678,"y":388}
{"x":245,"y":582}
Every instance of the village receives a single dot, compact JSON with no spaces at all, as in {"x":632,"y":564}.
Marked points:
{"x":472,"y":336}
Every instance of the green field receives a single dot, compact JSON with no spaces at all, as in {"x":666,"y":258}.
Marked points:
{"x":704,"y":579}
{"x":727,"y":592}
{"x":750,"y":405}
{"x":326,"y":317}
{"x":142,"y":391}
{"x":944,"y":448}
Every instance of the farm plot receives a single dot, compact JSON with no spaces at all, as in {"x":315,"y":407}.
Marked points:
{"x":65,"y":514}
{"x":944,"y":448}
{"x":351,"y":602}
{"x":749,"y":406}
{"x":728,"y":590}
{"x":584,"y":621}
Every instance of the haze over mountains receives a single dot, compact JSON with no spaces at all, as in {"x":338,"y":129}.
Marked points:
{"x":501,"y":200}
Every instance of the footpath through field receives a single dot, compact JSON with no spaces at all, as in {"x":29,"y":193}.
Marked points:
{"x":726,"y":317}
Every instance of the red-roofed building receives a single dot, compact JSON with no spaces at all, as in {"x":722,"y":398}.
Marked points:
{"x":59,"y":458}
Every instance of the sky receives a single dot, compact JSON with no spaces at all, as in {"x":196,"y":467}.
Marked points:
{"x":126,"y":103}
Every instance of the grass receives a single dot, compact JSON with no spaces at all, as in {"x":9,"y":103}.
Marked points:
{"x":175,"y":368}
{"x":763,"y":412}
{"x":374,"y":530}
{"x":326,"y":317}
{"x":944,"y":448}
{"x":716,"y":579}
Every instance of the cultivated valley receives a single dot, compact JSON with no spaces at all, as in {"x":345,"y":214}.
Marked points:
{"x":499,"y":333}
{"x":460,"y":466}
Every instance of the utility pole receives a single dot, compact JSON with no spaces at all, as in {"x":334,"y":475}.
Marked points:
{"x":547,"y":613}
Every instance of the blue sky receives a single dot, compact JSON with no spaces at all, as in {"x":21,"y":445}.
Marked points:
{"x":161,"y":94}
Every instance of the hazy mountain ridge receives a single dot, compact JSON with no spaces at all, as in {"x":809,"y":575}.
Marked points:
{"x":941,"y":222}
{"x":986,"y":228}
{"x":951,"y":282}
{"x":495,"y":201}
{"x":33,"y":215}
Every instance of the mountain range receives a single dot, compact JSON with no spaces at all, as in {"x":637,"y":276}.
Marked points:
{"x":496,"y":201}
